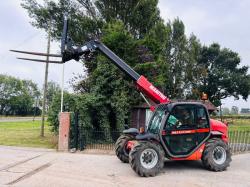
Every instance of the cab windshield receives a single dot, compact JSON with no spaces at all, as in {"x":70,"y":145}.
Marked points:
{"x":155,"y":121}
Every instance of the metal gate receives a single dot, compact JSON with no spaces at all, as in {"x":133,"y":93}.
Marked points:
{"x":88,"y":138}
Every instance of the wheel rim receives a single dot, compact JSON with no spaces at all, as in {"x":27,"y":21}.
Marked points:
{"x":219,"y":155}
{"x":149,"y":158}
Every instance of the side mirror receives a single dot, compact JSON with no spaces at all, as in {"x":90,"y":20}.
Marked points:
{"x":142,"y":130}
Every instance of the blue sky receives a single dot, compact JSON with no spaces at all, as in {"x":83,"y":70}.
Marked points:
{"x":225,"y":22}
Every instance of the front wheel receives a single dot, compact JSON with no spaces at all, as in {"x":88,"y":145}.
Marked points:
{"x":146,"y":159}
{"x":216,"y":155}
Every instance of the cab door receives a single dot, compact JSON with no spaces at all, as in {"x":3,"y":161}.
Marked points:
{"x":185,"y":128}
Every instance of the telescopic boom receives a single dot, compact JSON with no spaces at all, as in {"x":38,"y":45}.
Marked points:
{"x":69,"y":51}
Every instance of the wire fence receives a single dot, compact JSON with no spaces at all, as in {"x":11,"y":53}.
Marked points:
{"x":239,"y":141}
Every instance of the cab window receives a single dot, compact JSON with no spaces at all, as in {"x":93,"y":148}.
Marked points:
{"x":202,"y":118}
{"x":181,"y":117}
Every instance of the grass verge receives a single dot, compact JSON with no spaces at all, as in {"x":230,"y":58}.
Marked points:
{"x":239,"y":124}
{"x":26,"y":134}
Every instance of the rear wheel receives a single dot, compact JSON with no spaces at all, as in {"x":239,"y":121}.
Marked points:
{"x":121,"y":147}
{"x":216,"y":155}
{"x":146,"y":159}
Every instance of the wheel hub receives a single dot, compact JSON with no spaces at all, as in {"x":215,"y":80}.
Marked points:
{"x":149,"y":158}
{"x":219,"y":155}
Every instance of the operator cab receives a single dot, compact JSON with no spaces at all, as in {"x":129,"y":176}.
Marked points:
{"x":182,"y":126}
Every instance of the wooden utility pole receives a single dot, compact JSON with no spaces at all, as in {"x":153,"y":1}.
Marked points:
{"x":45,"y":81}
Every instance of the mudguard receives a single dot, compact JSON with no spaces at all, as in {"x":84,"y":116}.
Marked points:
{"x":132,"y":131}
{"x":219,"y":129}
{"x":216,"y":133}
{"x":147,"y":136}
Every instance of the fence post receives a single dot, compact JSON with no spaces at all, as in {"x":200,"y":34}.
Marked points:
{"x":64,"y":126}
{"x":76,"y":130}
{"x":244,"y":142}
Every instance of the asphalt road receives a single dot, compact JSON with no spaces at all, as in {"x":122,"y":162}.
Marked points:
{"x":41,"y":167}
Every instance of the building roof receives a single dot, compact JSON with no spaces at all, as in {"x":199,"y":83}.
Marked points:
{"x":210,"y":107}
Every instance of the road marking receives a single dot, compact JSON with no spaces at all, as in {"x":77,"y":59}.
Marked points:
{"x":19,"y":163}
{"x":29,"y":174}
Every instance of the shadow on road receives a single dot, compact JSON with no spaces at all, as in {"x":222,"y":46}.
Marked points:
{"x":183,"y":165}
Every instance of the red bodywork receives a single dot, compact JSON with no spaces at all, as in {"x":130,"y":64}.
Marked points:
{"x":152,"y":92}
{"x":218,"y":129}
{"x":195,"y":156}
{"x":130,"y":145}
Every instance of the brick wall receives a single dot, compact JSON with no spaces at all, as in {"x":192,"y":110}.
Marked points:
{"x":64,"y":125}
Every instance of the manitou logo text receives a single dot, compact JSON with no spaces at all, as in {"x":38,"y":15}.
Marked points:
{"x":157,"y":92}
{"x":183,"y":132}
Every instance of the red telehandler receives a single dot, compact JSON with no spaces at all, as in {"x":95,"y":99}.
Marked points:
{"x":176,"y":130}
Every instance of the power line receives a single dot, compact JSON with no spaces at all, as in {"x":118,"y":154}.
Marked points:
{"x":26,"y":40}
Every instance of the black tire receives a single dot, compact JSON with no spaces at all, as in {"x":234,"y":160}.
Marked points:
{"x":120,"y":147}
{"x":136,"y":161}
{"x":209,"y":159}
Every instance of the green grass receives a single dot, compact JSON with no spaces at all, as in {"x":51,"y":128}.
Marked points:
{"x":239,"y":127}
{"x":239,"y":131}
{"x":239,"y":124}
{"x":26,"y":134}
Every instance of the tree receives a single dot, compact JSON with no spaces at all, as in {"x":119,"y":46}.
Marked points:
{"x":132,"y":13}
{"x":222,"y":76}
{"x":234,"y":110}
{"x":225,"y":111}
{"x":82,"y":15}
{"x":177,"y":57}
{"x":178,"y":65}
{"x":151,"y":56}
{"x":17,"y":97}
{"x":87,"y":17}
{"x":112,"y":87}
{"x":192,"y":70}
{"x":52,"y":89}
{"x":54,"y":109}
